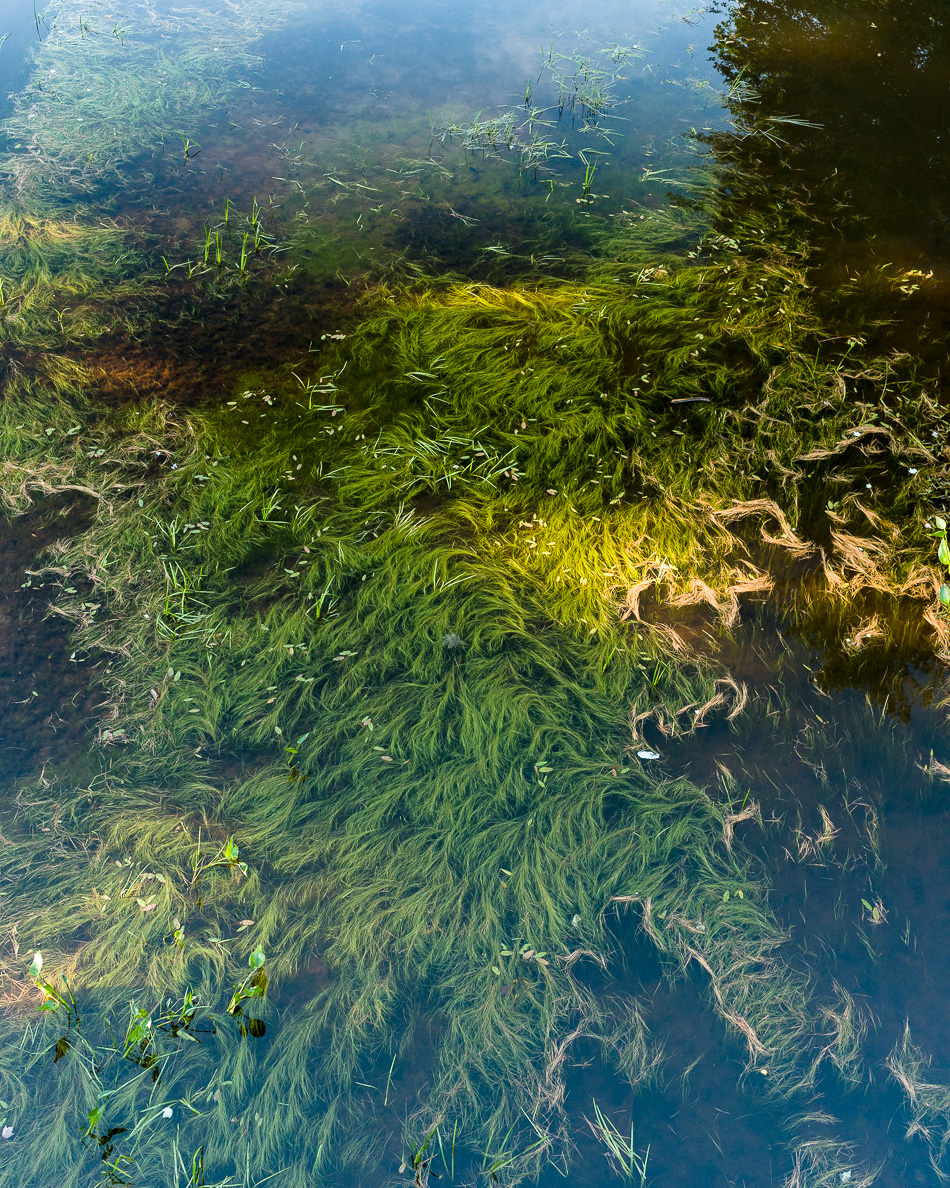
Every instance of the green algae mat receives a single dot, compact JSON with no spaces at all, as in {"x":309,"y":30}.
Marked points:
{"x":474,"y":629}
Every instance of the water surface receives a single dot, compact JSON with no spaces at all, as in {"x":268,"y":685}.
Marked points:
{"x":473,"y":477}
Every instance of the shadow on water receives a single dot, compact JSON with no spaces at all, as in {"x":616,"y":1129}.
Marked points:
{"x":873,"y":80}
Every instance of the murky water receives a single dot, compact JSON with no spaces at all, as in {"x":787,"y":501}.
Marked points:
{"x":473,"y":641}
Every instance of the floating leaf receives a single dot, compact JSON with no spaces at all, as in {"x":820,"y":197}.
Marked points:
{"x":256,"y":959}
{"x":943,"y":552}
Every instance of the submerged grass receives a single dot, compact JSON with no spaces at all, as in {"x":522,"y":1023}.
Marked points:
{"x":111,"y":89}
{"x":428,"y":592}
{"x":351,"y":587}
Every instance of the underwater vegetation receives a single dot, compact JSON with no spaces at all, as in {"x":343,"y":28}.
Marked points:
{"x":393,"y":643}
{"x":134,"y":88}
{"x":583,"y":93}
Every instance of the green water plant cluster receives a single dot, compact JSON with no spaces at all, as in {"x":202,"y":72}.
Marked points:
{"x":128,"y":1071}
{"x":392,"y":644}
{"x":425,"y":574}
{"x":232,"y":251}
{"x":584,"y":91}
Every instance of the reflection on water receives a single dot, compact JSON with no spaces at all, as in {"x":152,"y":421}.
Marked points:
{"x":874,"y":165}
{"x":490,"y":473}
{"x":18,"y":28}
{"x":874,"y":82}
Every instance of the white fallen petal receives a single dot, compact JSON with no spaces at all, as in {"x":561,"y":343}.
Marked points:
{"x":7,"y":1132}
{"x":647,"y":755}
{"x":167,"y":1112}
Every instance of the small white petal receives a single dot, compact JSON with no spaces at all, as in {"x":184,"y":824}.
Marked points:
{"x":7,"y":1132}
{"x":647,"y":755}
{"x":167,"y":1112}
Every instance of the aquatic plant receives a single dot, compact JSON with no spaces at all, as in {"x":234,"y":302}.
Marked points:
{"x":584,"y":90}
{"x":620,"y":1149}
{"x":943,"y":556}
{"x":65,"y":281}
{"x":927,"y":1102}
{"x":419,"y":772}
{"x":382,"y":641}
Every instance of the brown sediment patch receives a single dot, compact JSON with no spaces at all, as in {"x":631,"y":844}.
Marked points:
{"x":122,"y":373}
{"x":196,"y":347}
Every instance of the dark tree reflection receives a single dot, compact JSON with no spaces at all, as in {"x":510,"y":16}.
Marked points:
{"x":876,"y":77}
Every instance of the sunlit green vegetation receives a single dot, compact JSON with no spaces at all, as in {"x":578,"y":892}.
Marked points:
{"x":380,"y":637}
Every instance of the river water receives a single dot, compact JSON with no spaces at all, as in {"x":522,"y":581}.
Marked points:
{"x":473,"y":644}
